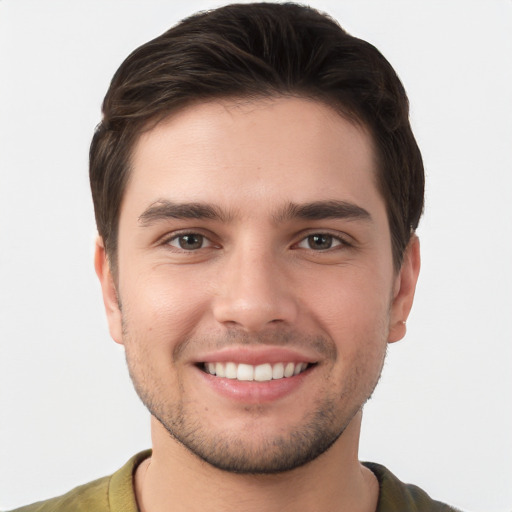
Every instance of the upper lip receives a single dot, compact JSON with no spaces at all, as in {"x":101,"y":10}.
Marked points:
{"x":256,"y":355}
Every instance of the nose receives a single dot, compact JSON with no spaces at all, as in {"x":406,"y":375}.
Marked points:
{"x":255,"y":291}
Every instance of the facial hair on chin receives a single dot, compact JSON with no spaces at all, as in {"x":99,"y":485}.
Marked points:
{"x":316,"y":433}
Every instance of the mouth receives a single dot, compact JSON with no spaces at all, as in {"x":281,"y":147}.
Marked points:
{"x":260,"y":373}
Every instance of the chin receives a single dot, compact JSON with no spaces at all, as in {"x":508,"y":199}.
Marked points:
{"x":258,"y":450}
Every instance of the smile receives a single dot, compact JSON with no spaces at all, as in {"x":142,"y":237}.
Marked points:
{"x":260,"y":373}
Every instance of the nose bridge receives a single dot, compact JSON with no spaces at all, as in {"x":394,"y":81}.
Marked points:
{"x":254,"y":290}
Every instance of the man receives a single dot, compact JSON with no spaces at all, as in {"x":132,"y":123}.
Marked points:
{"x":257,"y":188}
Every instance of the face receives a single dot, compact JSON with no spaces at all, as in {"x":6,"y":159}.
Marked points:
{"x":255,"y":293}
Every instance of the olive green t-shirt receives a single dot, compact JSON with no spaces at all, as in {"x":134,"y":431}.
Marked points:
{"x":115,"y":493}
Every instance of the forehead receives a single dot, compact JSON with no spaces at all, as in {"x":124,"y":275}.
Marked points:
{"x":239,"y":153}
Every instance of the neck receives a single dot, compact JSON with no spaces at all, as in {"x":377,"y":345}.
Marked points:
{"x":175,"y":479}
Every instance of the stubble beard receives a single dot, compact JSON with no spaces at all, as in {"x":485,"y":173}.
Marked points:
{"x":239,"y":452}
{"x":232,"y":453}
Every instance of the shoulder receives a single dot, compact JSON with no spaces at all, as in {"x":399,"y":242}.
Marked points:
{"x":396,"y":495}
{"x":91,"y":496}
{"x":112,"y":493}
{"x":88,"y":497}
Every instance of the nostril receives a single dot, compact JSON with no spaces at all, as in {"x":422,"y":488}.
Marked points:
{"x":253,"y":310}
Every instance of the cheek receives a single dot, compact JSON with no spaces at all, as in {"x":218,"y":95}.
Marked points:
{"x":162,"y":309}
{"x":352,"y":301}
{"x":353,"y":311}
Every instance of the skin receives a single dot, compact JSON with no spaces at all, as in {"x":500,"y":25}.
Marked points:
{"x":257,"y":284}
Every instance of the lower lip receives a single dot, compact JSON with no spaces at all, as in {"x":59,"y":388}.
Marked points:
{"x":252,"y":392}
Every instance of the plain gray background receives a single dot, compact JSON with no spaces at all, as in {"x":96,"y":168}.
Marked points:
{"x":441,"y":416}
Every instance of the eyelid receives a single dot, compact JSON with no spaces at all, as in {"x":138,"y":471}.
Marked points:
{"x":174,"y":235}
{"x":206,"y":242}
{"x":343,"y":239}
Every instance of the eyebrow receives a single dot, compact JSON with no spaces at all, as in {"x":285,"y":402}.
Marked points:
{"x":317,"y":210}
{"x":164,"y":209}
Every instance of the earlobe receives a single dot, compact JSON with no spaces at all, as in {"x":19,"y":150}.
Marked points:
{"x":109,"y":291}
{"x":405,"y":286}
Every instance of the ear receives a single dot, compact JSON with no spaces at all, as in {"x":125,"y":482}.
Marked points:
{"x":108,"y":289}
{"x":403,"y":292}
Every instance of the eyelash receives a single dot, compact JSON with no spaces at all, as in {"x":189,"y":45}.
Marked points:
{"x":338,"y":241}
{"x":177,"y":236}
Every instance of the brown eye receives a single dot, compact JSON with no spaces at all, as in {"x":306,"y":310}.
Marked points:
{"x":189,"y":241}
{"x":320,"y":242}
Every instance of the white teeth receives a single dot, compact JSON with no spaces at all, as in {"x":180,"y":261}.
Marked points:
{"x":231,"y":370}
{"x":261,"y":373}
{"x":220,"y":370}
{"x":298,"y":369}
{"x":245,"y":372}
{"x":288,"y":370}
{"x":278,"y":371}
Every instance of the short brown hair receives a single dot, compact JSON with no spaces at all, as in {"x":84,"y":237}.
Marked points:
{"x":259,"y":50}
